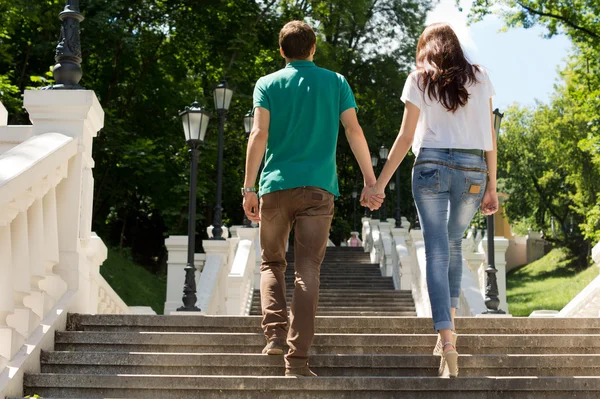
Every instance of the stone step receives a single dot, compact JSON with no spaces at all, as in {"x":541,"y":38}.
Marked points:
{"x":341,"y":272}
{"x":388,"y":325}
{"x":373,"y":301}
{"x":325,"y":343}
{"x":208,"y":387}
{"x":324,"y":365}
{"x":342,"y":278}
{"x":408,"y":306}
{"x":337,"y":308}
{"x":326,"y":312}
{"x":342,"y":284}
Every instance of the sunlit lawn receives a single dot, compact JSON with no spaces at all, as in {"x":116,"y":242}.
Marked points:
{"x":135,"y":284}
{"x":546,"y":284}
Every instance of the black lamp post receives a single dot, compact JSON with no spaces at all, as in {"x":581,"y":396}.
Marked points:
{"x":492,"y":302}
{"x":383,"y":154}
{"x":248,"y":123}
{"x":222,"y":96}
{"x":398,"y":215}
{"x":67,"y":71}
{"x":354,"y":197}
{"x":195,"y":121}
{"x":374,"y":162}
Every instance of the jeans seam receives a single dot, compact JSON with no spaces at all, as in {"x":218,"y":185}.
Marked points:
{"x":467,"y":169}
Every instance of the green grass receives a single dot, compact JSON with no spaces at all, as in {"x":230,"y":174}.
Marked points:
{"x":135,"y":284}
{"x":546,"y":284}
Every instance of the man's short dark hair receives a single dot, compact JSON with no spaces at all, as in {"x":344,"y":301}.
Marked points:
{"x":297,"y":40}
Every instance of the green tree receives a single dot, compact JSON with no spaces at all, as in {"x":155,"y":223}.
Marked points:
{"x":147,"y":59}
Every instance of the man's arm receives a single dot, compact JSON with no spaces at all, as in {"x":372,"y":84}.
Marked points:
{"x":257,"y":145}
{"x":358,"y":144}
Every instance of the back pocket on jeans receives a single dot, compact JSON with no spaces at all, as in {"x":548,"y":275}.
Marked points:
{"x":428,"y":181}
{"x":474,"y":189}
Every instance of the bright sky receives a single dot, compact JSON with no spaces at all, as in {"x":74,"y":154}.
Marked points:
{"x":521,"y":63}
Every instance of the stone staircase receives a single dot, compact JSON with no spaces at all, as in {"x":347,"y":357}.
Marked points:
{"x":356,"y":356}
{"x":350,"y":286}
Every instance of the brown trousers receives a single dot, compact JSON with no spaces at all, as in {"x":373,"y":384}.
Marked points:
{"x":311,"y":209}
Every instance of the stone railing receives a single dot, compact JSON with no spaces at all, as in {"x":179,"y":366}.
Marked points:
{"x":228,"y":273}
{"x":401,"y":255}
{"x":50,"y":259}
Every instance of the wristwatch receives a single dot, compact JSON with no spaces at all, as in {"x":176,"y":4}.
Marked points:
{"x":248,"y":190}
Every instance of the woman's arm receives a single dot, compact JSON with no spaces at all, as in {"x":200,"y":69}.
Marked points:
{"x":489,"y":204}
{"x":399,"y":149}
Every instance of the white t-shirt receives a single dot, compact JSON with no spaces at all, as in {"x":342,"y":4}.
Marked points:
{"x":470,"y":127}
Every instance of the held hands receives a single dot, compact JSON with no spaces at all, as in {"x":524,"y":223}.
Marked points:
{"x":251,"y":207}
{"x":489,"y":203}
{"x":372,"y":197}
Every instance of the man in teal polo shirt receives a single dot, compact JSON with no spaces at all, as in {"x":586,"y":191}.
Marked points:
{"x":297,"y":111}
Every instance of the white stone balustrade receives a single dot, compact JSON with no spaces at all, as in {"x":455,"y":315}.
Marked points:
{"x":401,"y":255}
{"x":49,"y":258}
{"x":226,"y":274}
{"x":240,"y":281}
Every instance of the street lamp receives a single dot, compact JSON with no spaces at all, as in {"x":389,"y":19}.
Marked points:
{"x":222,"y":97}
{"x":383,"y":154}
{"x":491,"y":290}
{"x":195,"y":121}
{"x":354,"y":197}
{"x":248,"y":123}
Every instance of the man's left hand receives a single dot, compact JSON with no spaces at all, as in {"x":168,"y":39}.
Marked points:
{"x":251,"y":207}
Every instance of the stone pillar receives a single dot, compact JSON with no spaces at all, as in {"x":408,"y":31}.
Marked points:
{"x":212,"y":284}
{"x":77,"y":114}
{"x":405,"y":266}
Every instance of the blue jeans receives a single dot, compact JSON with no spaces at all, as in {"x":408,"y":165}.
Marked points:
{"x":448,"y":187}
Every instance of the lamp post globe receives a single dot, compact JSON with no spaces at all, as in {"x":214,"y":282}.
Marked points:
{"x":383,"y":153}
{"x":195,"y":122}
{"x":248,"y":123}
{"x":222,"y":96}
{"x":374,"y":160}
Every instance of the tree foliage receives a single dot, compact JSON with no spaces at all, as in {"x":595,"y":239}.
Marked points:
{"x":550,"y":154}
{"x":147,"y":59}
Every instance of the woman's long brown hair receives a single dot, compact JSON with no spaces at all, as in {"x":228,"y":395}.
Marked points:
{"x":444,"y":70}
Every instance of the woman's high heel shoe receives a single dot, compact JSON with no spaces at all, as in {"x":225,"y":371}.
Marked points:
{"x":439,"y":347}
{"x":449,"y":361}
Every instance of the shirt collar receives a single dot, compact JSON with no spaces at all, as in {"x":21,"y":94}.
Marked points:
{"x":300,"y":64}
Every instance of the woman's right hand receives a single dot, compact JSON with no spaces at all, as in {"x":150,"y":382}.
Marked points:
{"x":489,"y":203}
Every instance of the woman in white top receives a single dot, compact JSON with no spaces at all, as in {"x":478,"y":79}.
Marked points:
{"x":448,"y":122}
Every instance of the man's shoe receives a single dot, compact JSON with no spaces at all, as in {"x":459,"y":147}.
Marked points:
{"x":299,"y":372}
{"x":273,"y":347}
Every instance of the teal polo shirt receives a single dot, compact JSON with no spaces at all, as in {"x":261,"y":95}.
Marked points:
{"x":305,"y":103}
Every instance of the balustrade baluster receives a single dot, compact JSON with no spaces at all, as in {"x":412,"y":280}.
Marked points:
{"x":41,"y":303}
{"x":24,"y":319}
{"x":53,"y":284}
